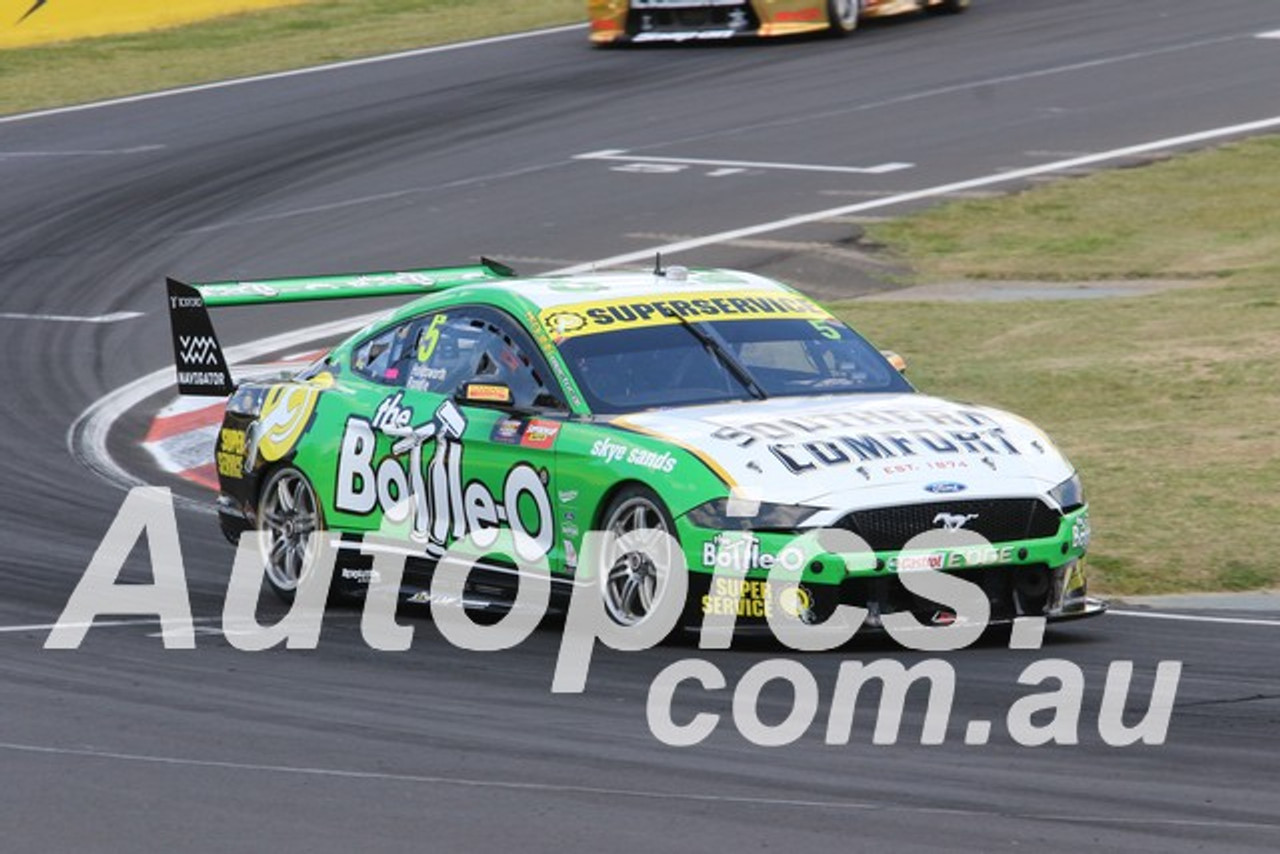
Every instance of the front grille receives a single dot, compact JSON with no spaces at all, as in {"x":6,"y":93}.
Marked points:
{"x":999,"y":520}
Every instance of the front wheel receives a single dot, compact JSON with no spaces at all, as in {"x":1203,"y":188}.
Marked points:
{"x":638,"y":567}
{"x":842,"y":16}
{"x":289,"y":514}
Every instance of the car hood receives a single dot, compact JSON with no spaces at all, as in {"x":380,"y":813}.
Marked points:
{"x":849,"y":451}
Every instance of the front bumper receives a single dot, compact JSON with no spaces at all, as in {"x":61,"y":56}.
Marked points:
{"x":1043,"y":577}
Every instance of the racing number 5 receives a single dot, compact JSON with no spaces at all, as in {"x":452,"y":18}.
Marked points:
{"x":825,"y":329}
{"x":430,"y":337}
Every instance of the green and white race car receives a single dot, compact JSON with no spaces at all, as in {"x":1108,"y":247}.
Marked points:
{"x":721,"y":408}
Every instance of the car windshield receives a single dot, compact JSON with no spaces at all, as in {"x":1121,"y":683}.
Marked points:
{"x":671,"y":365}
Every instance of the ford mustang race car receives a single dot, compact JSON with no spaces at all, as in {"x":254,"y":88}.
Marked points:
{"x":618,"y":21}
{"x":725,"y":410}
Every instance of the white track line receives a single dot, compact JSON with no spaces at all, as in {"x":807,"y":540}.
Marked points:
{"x":96,"y":624}
{"x":99,"y":624}
{"x":297,"y":72}
{"x":621,"y":154}
{"x":932,"y":193}
{"x":409,"y":54}
{"x":1195,"y":618}
{"x":115,"y":317}
{"x":101,"y":152}
{"x":637,"y":794}
{"x":1274,"y":34}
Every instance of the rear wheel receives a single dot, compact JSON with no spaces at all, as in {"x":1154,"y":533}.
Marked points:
{"x":843,"y":16}
{"x":636,"y":577}
{"x":948,"y":7}
{"x":289,"y":515}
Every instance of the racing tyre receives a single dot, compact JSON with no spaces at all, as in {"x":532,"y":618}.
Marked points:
{"x":843,"y":16}
{"x":948,"y":7}
{"x":635,"y":581}
{"x":290,"y":514}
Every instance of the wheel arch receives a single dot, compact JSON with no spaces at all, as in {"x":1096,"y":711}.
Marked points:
{"x":608,"y":496}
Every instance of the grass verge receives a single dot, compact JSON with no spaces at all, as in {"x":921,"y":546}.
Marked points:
{"x":1168,"y":404}
{"x":292,"y":37}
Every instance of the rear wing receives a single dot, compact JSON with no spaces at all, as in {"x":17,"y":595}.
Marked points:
{"x":202,"y":367}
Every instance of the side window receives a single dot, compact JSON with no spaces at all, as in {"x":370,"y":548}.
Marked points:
{"x":381,"y":358}
{"x":448,"y":348}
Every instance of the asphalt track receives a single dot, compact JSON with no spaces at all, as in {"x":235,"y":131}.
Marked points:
{"x":121,"y":746}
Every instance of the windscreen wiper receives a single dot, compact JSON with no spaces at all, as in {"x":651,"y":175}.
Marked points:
{"x":739,"y":371}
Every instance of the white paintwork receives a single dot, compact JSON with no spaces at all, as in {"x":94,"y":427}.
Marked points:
{"x":1012,"y":458}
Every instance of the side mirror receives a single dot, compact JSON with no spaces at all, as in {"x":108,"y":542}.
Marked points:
{"x":899,"y":363}
{"x":494,"y":395}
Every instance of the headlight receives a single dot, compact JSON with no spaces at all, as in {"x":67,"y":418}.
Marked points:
{"x":1069,"y":494}
{"x":746,"y":515}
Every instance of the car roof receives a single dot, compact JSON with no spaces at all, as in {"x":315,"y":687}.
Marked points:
{"x":540,"y":293}
{"x":555,"y":291}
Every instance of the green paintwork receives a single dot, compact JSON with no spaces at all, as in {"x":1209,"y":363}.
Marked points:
{"x":577,"y":482}
{"x":344,"y":286}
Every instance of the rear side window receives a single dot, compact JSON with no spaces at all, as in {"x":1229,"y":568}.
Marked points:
{"x":380,"y":358}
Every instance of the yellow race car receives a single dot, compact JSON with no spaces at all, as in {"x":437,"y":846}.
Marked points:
{"x":620,"y":21}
